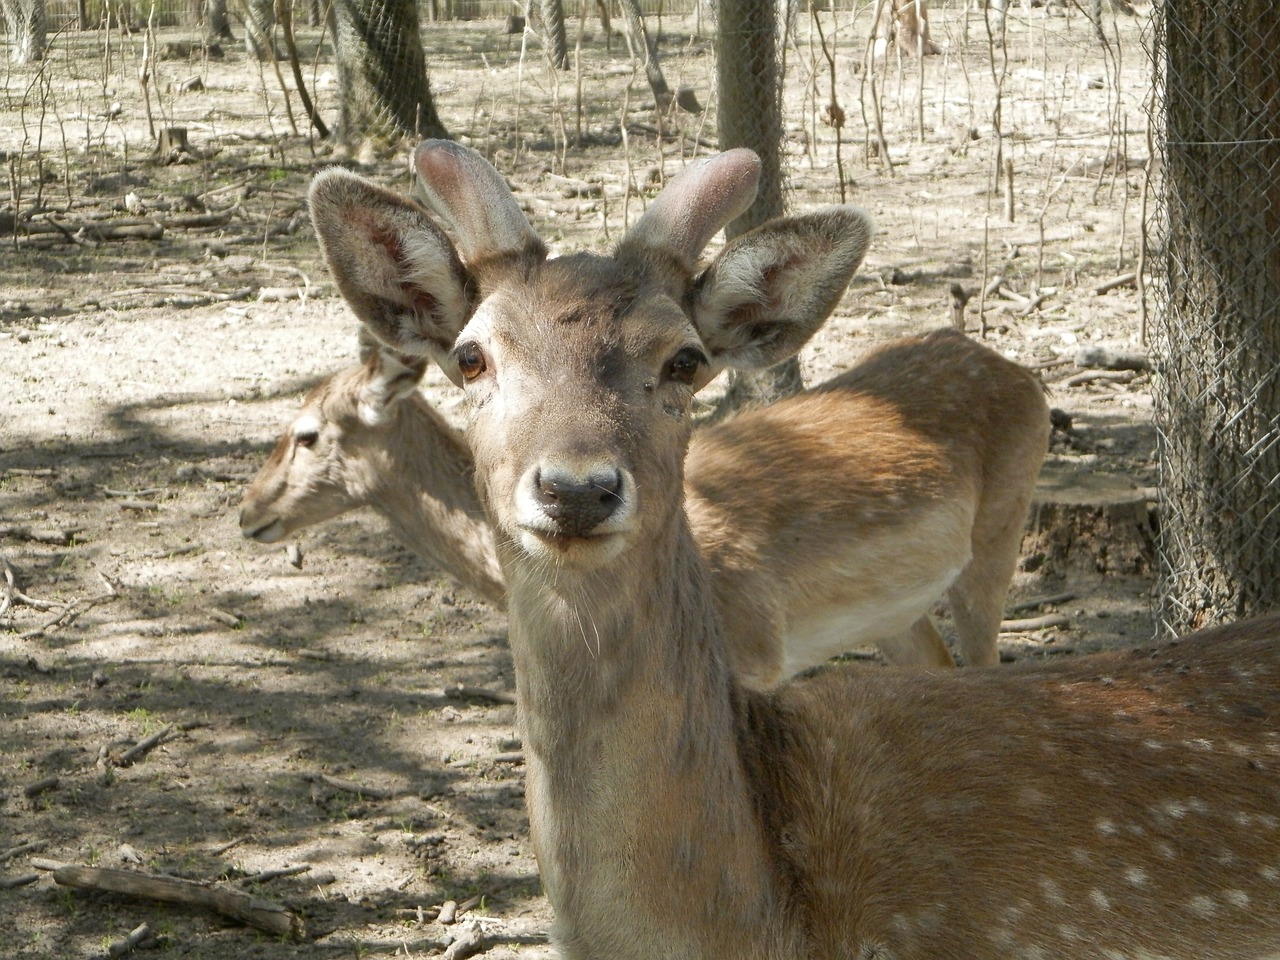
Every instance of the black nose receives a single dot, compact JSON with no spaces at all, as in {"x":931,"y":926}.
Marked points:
{"x":579,"y":505}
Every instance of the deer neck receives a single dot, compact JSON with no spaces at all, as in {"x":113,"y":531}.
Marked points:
{"x":643,"y":817}
{"x":422,"y":484}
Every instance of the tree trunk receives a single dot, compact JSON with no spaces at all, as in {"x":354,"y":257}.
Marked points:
{"x":553,"y":33}
{"x":217,"y":25}
{"x":749,"y":85}
{"x":644,"y":49}
{"x":1217,"y":397}
{"x":259,"y":29}
{"x":384,"y":92}
{"x":26,"y":28}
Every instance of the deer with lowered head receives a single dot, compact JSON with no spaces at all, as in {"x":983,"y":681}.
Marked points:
{"x":1116,"y":806}
{"x":829,"y":520}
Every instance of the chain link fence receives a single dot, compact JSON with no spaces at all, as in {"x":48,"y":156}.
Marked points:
{"x":1214,"y":238}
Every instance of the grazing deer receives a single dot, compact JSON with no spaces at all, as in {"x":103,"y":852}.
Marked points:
{"x":830,"y":520}
{"x":1118,"y":806}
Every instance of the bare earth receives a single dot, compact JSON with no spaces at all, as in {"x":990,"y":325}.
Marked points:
{"x":352,"y":716}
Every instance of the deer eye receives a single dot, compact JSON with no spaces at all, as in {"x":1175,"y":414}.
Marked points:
{"x":306,"y":437}
{"x":470,"y":360}
{"x":685,"y":365}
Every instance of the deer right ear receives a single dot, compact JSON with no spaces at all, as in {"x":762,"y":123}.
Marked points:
{"x":771,"y":289}
{"x":396,"y":269}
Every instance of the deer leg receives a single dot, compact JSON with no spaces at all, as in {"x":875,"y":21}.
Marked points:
{"x":922,"y":646}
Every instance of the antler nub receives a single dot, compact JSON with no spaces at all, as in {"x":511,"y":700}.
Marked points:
{"x":700,"y":200}
{"x":467,"y":193}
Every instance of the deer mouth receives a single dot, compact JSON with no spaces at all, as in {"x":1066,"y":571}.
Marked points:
{"x":270,"y":532}
{"x":579,"y":550}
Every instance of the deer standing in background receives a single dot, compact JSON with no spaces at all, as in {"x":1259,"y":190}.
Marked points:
{"x":829,"y":520}
{"x":1118,"y":806}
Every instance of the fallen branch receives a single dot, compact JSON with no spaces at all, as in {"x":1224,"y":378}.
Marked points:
{"x":350,"y":786}
{"x":1110,"y":358}
{"x":43,"y":785}
{"x":469,"y":942}
{"x":1035,"y":603}
{"x":74,"y":611}
{"x":267,"y":875}
{"x":21,"y":531}
{"x":13,"y":595}
{"x":35,"y":846}
{"x":1034,"y":623}
{"x":249,"y":909}
{"x":21,"y":880}
{"x":1093,"y":376}
{"x":144,"y":746}
{"x":1124,"y":280}
{"x":137,"y":936}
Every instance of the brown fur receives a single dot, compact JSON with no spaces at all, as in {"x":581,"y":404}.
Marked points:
{"x":419,"y":488}
{"x":1119,"y":806}
{"x":785,"y":502}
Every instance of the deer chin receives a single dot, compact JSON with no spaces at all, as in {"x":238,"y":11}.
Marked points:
{"x":273,"y":531}
{"x":585,"y":553}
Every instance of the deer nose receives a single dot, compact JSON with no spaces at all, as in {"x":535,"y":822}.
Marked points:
{"x":578,"y":505}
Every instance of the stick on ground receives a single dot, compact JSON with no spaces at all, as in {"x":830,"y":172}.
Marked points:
{"x":251,"y":910}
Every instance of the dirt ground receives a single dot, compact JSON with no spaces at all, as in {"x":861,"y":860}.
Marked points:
{"x":352,"y":717}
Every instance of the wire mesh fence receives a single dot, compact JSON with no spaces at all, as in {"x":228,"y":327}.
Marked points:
{"x":1215,"y":238}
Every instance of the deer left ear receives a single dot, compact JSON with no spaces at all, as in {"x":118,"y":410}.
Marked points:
{"x":770,"y":290}
{"x":391,"y":378}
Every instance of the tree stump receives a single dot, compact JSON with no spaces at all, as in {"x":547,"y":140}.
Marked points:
{"x":1083,"y":521}
{"x":171,"y":144}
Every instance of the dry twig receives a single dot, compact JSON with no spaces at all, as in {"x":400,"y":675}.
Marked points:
{"x":248,"y":909}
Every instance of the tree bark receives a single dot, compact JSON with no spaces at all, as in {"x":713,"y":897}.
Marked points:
{"x":553,"y":27}
{"x":259,"y":29}
{"x":385,"y":95}
{"x":26,"y":28}
{"x":749,"y":88}
{"x":643,"y":48}
{"x":217,"y":25}
{"x":1217,"y":397}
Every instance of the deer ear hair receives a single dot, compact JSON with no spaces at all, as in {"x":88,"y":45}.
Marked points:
{"x":396,"y":269}
{"x":391,"y":378}
{"x":770,"y":290}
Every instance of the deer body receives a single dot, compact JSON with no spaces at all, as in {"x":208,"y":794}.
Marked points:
{"x":830,"y":520}
{"x":1120,"y":806}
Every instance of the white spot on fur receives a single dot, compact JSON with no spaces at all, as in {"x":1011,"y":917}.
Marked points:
{"x":1237,"y":898}
{"x":1171,"y":808}
{"x":1269,"y":873}
{"x":1052,"y":892}
{"x":1203,"y":906}
{"x":1136,"y":875}
{"x":1106,"y":828}
{"x":1099,"y":899}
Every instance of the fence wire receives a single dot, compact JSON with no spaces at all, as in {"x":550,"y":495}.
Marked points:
{"x":1215,"y":290}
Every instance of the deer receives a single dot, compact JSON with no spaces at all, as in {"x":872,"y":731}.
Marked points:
{"x":1117,"y":805}
{"x":366,"y":436}
{"x":922,"y":491}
